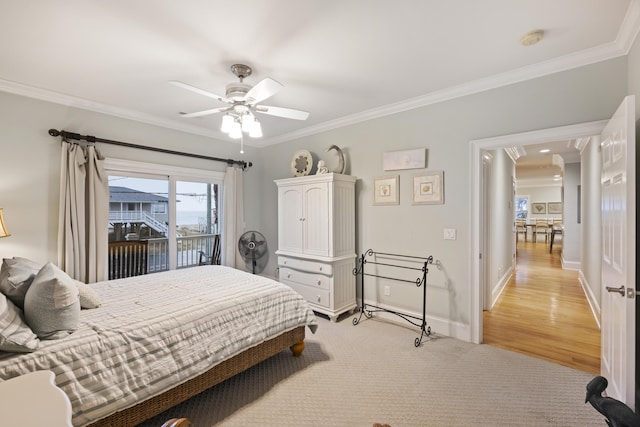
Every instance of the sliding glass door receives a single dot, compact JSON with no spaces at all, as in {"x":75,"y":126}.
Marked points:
{"x":197,"y":222}
{"x":161,"y":217}
{"x":138,"y":216}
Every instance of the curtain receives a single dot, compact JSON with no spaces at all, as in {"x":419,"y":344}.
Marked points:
{"x":83,"y":216}
{"x":232,"y":216}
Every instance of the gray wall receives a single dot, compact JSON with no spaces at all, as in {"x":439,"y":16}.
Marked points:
{"x":571,"y":239}
{"x":591,"y":217}
{"x":502,"y":212}
{"x":633,"y":73}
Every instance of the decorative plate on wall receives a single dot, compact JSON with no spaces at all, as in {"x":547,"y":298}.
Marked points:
{"x":301,"y":163}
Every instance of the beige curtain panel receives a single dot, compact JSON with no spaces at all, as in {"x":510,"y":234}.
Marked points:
{"x":83,"y":216}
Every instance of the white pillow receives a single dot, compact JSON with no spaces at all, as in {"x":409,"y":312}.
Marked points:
{"x":15,"y":334}
{"x":16,"y":276}
{"x":51,"y":304}
{"x":89,"y":298}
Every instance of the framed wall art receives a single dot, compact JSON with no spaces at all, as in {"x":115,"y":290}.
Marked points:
{"x":555,"y":207}
{"x":386,"y":190}
{"x":428,"y":188}
{"x":406,"y":159}
{"x":538,"y":208}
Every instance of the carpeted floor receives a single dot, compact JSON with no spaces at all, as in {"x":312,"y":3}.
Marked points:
{"x":372,"y":373}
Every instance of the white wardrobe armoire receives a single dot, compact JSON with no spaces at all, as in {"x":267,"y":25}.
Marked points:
{"x":316,"y":240}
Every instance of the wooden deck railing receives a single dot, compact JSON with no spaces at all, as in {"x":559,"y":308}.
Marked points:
{"x":135,"y":257}
{"x":128,"y":258}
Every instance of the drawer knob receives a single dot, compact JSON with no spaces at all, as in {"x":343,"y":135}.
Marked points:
{"x":319,"y":282}
{"x":285,"y":261}
{"x":319,"y":299}
{"x":288,"y":275}
{"x":320,"y":268}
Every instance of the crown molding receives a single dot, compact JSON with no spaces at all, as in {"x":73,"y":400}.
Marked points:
{"x":581,"y":143}
{"x":515,"y":153}
{"x":630,"y":27}
{"x":626,"y":36}
{"x":85,"y":104}
{"x":565,"y":63}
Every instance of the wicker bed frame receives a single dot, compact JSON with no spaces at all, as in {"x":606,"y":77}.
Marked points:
{"x":142,"y":411}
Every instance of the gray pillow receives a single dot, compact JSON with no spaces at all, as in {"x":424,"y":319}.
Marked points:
{"x":16,"y":276}
{"x":51,"y":304}
{"x":89,"y":298}
{"x":15,"y":334}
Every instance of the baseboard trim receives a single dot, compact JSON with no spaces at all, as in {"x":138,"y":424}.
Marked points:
{"x":591,"y":298}
{"x":439,"y":326}
{"x":502,"y":284}
{"x":570,"y":265}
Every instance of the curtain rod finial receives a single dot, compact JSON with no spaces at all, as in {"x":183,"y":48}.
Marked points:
{"x":54,"y":132}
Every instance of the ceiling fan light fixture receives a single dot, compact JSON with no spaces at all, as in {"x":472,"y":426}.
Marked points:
{"x":247,"y":122}
{"x":243,"y":101}
{"x":256,"y":130}
{"x":236,"y":131}
{"x":227,"y":123}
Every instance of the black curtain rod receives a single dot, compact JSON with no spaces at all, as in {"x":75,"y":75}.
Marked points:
{"x":89,"y":138}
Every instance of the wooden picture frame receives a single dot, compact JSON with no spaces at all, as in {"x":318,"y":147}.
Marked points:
{"x":538,"y":208}
{"x":554,"y":207}
{"x":428,"y":188}
{"x":386,"y":190}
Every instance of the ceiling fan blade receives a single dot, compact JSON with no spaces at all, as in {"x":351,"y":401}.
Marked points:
{"x":262,"y":90}
{"x":200,"y":91}
{"x":205,"y":112}
{"x":287,"y":113}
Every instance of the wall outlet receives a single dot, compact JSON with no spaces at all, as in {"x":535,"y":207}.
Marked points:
{"x":387,"y":290}
{"x":449,"y":234}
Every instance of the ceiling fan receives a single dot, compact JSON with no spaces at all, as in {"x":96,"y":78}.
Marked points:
{"x":243,"y":103}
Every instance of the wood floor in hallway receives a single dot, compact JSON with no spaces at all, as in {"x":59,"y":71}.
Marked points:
{"x":544,"y":313}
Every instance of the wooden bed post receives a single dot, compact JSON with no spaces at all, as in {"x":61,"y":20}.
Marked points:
{"x":297,"y":349}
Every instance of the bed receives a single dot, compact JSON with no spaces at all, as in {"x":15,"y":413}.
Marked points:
{"x":159,"y":339}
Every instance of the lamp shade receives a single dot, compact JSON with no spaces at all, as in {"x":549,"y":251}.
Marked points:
{"x":3,"y":229}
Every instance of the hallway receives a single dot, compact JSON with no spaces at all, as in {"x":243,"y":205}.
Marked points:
{"x":544,"y":313}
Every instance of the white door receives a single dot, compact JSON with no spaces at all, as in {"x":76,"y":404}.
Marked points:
{"x":290,"y":218}
{"x":618,"y":312}
{"x":316,"y":219}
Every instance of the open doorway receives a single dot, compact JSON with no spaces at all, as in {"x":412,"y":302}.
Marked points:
{"x":478,"y":235}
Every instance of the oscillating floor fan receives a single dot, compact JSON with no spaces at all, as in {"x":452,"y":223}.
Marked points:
{"x":253,"y":247}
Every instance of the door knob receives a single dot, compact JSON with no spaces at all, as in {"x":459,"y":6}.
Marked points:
{"x":619,"y":290}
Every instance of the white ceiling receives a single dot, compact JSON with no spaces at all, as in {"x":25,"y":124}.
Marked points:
{"x":543,"y":164}
{"x":344,"y":61}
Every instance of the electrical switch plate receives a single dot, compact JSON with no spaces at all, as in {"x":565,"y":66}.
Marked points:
{"x":449,"y":234}
{"x":387,"y":290}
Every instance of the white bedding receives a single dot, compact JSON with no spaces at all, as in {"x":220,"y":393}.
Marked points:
{"x":155,"y":331}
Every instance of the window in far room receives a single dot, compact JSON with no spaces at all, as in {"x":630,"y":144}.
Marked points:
{"x":522,"y":207}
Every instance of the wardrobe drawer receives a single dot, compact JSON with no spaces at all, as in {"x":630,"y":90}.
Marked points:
{"x":310,"y":279}
{"x":313,"y":295}
{"x":306,"y":265}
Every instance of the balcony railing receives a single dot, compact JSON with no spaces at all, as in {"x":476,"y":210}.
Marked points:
{"x":188,"y":255}
{"x":138,"y":216}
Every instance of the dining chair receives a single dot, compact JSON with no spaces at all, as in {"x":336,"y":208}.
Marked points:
{"x":542,"y":226}
{"x":521,"y":227}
